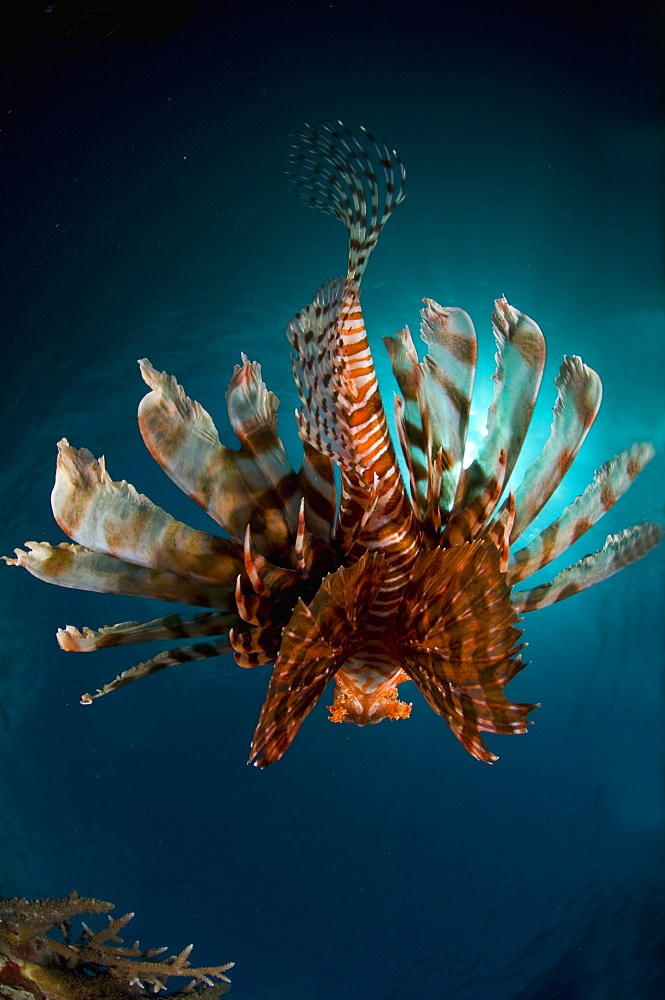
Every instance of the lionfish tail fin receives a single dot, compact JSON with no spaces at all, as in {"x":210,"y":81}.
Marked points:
{"x":353,"y":176}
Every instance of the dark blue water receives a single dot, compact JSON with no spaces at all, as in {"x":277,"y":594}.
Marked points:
{"x":146,"y":214}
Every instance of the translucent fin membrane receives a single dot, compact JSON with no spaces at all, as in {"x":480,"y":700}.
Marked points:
{"x":334,"y":169}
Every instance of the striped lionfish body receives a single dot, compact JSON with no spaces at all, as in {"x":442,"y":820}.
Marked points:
{"x":389,"y":581}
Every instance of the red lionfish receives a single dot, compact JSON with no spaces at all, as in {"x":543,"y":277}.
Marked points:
{"x":386,"y":582}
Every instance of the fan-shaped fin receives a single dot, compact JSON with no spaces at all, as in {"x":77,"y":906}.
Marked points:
{"x":182,"y":438}
{"x":456,"y":641}
{"x":262,"y":459}
{"x":76,"y":567}
{"x":618,"y":552}
{"x":609,"y":483}
{"x":520,"y":360}
{"x":114,"y":519}
{"x":449,"y":370}
{"x":174,"y":626}
{"x":337,"y":170}
{"x":315,"y":643}
{"x":182,"y":654}
{"x":578,"y":400}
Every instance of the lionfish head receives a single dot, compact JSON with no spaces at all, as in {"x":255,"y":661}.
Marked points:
{"x":365,"y":696}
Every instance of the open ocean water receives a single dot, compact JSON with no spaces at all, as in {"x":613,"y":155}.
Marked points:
{"x":146,"y":214}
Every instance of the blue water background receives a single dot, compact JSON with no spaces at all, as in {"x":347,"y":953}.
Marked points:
{"x":147,"y":214}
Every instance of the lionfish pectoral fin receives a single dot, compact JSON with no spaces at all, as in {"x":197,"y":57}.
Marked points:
{"x":432,"y":418}
{"x":579,"y":393}
{"x":466,"y":523}
{"x":182,"y":438}
{"x":609,"y":483}
{"x":449,"y":370}
{"x":181,"y":654}
{"x":412,"y":416}
{"x":173,"y":626}
{"x":262,"y":461}
{"x":315,"y":643}
{"x":520,"y":360}
{"x":618,"y":552}
{"x":457,"y":641}
{"x":75,"y":567}
{"x":114,"y":519}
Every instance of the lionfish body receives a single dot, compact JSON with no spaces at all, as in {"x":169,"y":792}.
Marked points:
{"x":387,"y":582}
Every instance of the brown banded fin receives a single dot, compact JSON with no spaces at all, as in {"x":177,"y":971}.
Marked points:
{"x":112,"y":518}
{"x":520,"y":359}
{"x":74,"y":566}
{"x":609,"y":483}
{"x":579,"y":393}
{"x":169,"y":658}
{"x":458,"y":642}
{"x":619,"y":551}
{"x":315,"y":643}
{"x":173,"y":626}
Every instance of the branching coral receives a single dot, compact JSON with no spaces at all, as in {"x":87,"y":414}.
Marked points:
{"x":96,"y":965}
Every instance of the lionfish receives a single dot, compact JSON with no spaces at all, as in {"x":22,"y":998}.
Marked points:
{"x":351,"y":574}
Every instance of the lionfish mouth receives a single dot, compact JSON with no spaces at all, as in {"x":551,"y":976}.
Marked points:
{"x":378,"y":582}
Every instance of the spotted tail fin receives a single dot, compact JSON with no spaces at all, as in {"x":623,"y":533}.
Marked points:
{"x":337,"y":170}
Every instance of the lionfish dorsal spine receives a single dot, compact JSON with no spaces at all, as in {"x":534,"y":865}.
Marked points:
{"x":342,"y":415}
